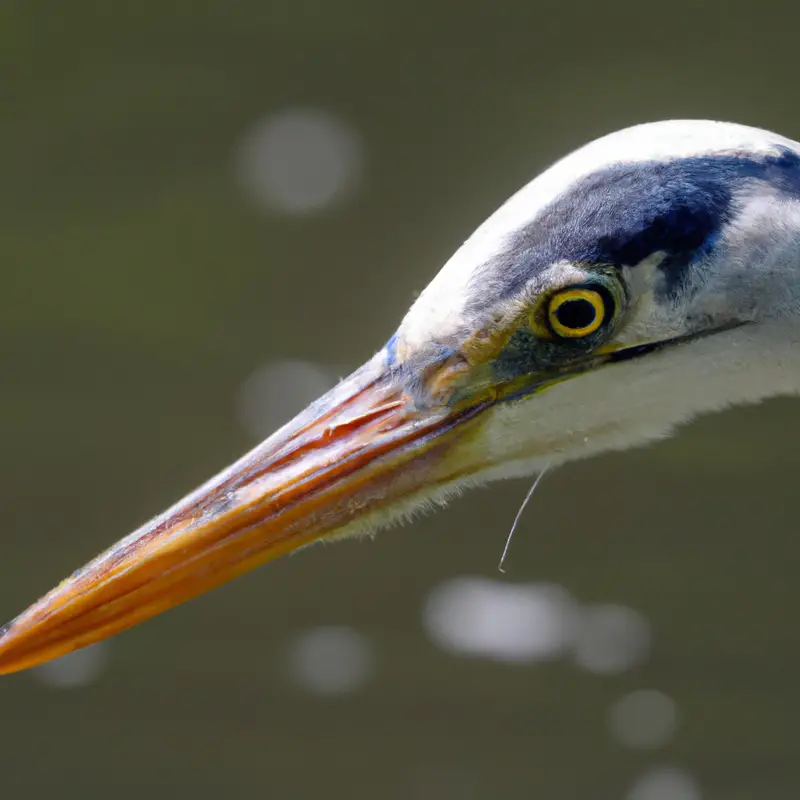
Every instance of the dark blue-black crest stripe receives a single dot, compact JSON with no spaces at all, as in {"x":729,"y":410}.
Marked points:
{"x":625,"y":213}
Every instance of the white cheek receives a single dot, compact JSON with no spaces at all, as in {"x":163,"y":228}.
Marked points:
{"x":755,"y":269}
{"x":638,"y":401}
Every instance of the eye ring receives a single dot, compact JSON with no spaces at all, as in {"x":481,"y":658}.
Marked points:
{"x":575,"y":313}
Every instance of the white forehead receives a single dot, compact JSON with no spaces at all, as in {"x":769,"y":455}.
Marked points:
{"x":439,"y":308}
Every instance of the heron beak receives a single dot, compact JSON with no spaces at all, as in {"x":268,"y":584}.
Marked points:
{"x":356,"y":454}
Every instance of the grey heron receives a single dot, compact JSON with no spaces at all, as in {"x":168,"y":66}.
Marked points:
{"x":650,"y":276}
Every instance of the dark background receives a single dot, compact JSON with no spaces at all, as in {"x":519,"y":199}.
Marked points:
{"x":144,"y":284}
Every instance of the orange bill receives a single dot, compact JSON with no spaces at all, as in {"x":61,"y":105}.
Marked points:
{"x":356,"y":454}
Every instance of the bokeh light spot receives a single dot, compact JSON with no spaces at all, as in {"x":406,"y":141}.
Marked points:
{"x":75,"y":670}
{"x":489,"y":619}
{"x":644,"y":719}
{"x":331,"y":660}
{"x":612,"y":639}
{"x":300,"y":160}
{"x":665,"y":783}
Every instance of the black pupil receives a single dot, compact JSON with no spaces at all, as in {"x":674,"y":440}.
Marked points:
{"x":576,"y":314}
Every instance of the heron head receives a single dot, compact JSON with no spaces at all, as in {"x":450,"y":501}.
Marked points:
{"x":631,"y":286}
{"x":635,"y":283}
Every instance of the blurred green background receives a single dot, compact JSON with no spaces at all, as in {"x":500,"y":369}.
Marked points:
{"x":197,"y":193}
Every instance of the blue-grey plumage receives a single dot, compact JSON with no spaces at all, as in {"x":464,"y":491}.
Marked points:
{"x":650,"y":276}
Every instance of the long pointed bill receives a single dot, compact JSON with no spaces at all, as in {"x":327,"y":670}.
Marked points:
{"x":335,"y":466}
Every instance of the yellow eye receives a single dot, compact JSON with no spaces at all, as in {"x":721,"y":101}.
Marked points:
{"x":574,"y":313}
